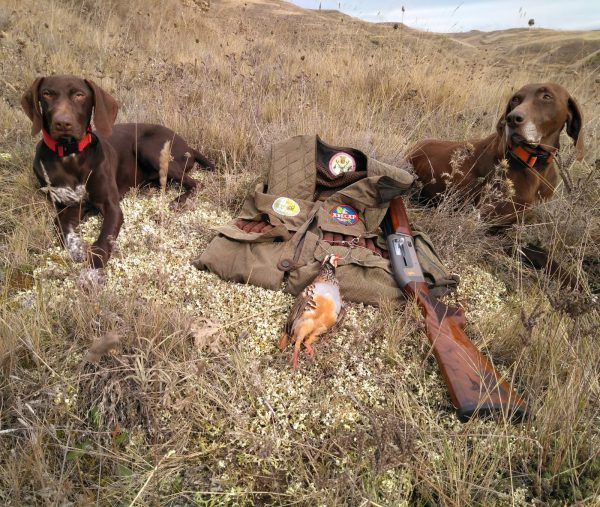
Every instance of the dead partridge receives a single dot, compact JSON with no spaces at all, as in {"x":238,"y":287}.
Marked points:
{"x":316,"y":310}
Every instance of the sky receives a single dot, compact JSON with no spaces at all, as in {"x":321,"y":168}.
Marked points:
{"x":465,"y":15}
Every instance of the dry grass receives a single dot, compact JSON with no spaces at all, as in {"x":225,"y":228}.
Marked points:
{"x":193,"y":404}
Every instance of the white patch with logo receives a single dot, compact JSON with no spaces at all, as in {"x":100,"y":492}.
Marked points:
{"x":66,"y":195}
{"x":286,"y":207}
{"x":341,"y":163}
{"x":76,"y":247}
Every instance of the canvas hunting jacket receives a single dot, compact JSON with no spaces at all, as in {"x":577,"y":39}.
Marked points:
{"x":311,"y":188}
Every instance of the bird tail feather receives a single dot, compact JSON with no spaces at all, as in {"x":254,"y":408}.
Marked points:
{"x":283,"y":341}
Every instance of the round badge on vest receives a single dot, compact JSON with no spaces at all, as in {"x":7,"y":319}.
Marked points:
{"x":341,"y":163}
{"x":344,"y":214}
{"x":286,"y":207}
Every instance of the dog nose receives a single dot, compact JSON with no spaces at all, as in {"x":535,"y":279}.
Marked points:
{"x":515,"y":118}
{"x":62,"y":121}
{"x":63,"y":125}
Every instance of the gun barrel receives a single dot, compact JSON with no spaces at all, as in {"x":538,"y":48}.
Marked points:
{"x":399,"y":217}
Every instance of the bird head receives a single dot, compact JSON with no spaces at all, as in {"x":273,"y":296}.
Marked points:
{"x":332,"y":260}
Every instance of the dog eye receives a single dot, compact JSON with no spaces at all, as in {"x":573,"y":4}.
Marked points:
{"x":515,"y":100}
{"x":46,"y":93}
{"x":79,"y":95}
{"x":547,"y":96}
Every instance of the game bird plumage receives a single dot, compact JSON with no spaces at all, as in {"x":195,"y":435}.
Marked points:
{"x":316,"y":310}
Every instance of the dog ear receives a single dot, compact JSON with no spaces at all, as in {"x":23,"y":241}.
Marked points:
{"x":105,"y":109}
{"x":575,"y":127}
{"x":502,"y":121}
{"x":30,"y":102}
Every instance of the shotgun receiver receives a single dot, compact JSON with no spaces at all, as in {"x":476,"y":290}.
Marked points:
{"x":475,"y":386}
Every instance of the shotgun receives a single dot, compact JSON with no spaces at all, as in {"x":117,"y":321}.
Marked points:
{"x":475,"y":387}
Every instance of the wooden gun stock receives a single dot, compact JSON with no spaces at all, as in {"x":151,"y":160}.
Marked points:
{"x":474,"y":385}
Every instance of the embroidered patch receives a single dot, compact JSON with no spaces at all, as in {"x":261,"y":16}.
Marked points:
{"x":286,"y":207}
{"x":344,"y":214}
{"x":342,"y":163}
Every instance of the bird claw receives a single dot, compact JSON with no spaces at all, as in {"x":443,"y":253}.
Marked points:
{"x":294,"y":360}
{"x":310,"y":351}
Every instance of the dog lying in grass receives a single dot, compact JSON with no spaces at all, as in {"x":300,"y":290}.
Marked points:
{"x":81,"y":169}
{"x":524,"y":147}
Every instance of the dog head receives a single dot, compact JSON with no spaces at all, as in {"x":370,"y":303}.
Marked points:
{"x":536,"y":114}
{"x":63,"y":106}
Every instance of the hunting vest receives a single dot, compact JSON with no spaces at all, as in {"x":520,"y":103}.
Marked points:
{"x":312,"y":188}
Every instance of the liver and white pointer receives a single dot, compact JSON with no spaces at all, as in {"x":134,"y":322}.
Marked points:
{"x":79,"y":169}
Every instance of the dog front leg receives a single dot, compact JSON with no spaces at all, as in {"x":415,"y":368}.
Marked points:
{"x":111,"y":225}
{"x":67,"y":220}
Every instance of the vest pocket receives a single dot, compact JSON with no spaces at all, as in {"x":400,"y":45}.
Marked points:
{"x":231,"y":231}
{"x":244,"y":261}
{"x":364,"y":276}
{"x":360,"y":256}
{"x":341,"y":218}
{"x":291,"y":213}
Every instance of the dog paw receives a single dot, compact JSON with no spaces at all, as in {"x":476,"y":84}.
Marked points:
{"x":76,"y":247}
{"x":185,"y":201}
{"x":176,"y":205}
{"x":179,"y":205}
{"x":90,"y":279}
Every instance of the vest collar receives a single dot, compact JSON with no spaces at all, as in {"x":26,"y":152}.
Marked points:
{"x":65,"y":148}
{"x":537,"y":158}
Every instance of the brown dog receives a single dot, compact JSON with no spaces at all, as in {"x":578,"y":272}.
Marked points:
{"x":80,"y":169}
{"x":527,"y":136}
{"x":524,"y":145}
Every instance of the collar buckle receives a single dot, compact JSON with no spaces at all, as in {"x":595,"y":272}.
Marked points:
{"x":533,"y":158}
{"x":68,"y":147}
